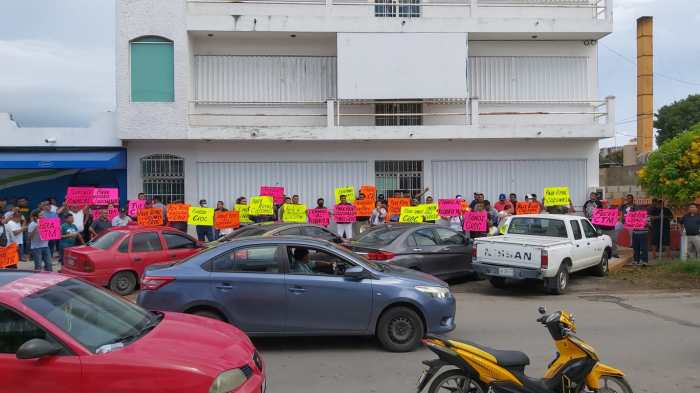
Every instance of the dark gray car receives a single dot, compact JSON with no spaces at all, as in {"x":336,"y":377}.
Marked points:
{"x":428,"y":248}
{"x":283,"y":229}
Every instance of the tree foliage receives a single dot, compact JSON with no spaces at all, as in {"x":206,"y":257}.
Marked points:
{"x":673,"y":171}
{"x":673,"y":119}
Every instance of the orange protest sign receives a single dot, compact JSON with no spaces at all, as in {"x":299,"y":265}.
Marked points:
{"x":178,"y":212}
{"x":8,"y":256}
{"x":463,"y":206}
{"x":533,"y":207}
{"x":150,"y":217}
{"x":229,"y":219}
{"x":521,"y":208}
{"x":395,"y":205}
{"x":370,"y":193}
{"x":364,"y":207}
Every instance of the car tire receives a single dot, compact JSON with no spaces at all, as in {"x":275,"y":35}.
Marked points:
{"x":558,"y":284}
{"x":498,"y":282}
{"x":123,"y":283}
{"x":400,"y":329}
{"x":602,"y":268}
{"x":208,"y":314}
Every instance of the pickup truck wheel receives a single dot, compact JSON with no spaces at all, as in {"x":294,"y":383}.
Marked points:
{"x":498,"y":282}
{"x":559,"y":283}
{"x":601,"y":269}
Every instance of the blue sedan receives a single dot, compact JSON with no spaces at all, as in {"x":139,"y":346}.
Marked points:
{"x":302,"y":286}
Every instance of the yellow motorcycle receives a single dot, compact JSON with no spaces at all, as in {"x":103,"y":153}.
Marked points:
{"x":478,"y":369}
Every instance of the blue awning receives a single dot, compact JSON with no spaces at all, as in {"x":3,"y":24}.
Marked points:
{"x":63,"y":160}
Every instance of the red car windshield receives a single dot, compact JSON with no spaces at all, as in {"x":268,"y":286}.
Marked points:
{"x":106,"y":241}
{"x":96,"y":319}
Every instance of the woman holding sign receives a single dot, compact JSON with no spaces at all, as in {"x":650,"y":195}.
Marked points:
{"x":39,"y":248}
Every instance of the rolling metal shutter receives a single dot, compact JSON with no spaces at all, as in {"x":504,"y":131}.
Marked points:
{"x":226,"y":181}
{"x":519,"y":176}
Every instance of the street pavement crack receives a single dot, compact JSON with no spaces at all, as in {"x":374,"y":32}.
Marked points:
{"x":620,"y":302}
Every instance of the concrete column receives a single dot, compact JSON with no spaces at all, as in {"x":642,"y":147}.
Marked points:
{"x":473,"y":5}
{"x":474,"y":101}
{"x":684,"y":247}
{"x":610,"y":109}
{"x":330,"y":113}
{"x":609,"y":10}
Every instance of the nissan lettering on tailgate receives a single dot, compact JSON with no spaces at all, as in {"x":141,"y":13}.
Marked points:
{"x":509,"y":254}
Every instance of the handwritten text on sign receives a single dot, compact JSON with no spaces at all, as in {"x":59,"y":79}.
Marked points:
{"x":364,"y":207}
{"x":134,"y":206}
{"x":276,"y":192}
{"x":411,"y":214}
{"x":294,"y":213}
{"x":79,"y":195}
{"x":395,"y":205}
{"x":370,"y":192}
{"x":261,"y":206}
{"x":105,"y":196}
{"x":178,"y":212}
{"x":319,"y":216}
{"x":636,"y":220}
{"x":604,"y":217}
{"x":50,"y":228}
{"x":201,"y":216}
{"x":475,"y":221}
{"x":449,"y":207}
{"x":243,"y":213}
{"x":430,"y":211}
{"x":349,"y":193}
{"x":225,"y":220}
{"x":556,"y":196}
{"x":150,"y":217}
{"x":344,"y":214}
{"x":111,"y":213}
{"x":8,"y":255}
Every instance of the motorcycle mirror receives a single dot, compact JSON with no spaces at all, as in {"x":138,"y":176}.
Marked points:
{"x":542,"y":310}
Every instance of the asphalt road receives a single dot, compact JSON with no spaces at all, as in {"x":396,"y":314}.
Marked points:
{"x":653,"y":337}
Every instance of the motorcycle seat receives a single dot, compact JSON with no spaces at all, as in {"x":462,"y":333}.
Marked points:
{"x":503,"y":358}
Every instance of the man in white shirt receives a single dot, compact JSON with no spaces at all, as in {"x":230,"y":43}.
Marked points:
{"x":122,"y":219}
{"x":78,"y":217}
{"x":14,"y":230}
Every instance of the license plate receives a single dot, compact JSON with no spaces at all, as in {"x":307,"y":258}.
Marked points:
{"x":506,"y":271}
{"x":422,"y":377}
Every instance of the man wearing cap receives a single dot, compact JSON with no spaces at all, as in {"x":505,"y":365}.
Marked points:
{"x":503,"y":204}
{"x":122,"y":219}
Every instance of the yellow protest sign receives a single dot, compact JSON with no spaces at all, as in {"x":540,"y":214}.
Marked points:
{"x":293,"y":213}
{"x":261,"y":206}
{"x":411,"y":214}
{"x":430,"y":211}
{"x":556,"y":196}
{"x":349,"y":193}
{"x":201,"y":216}
{"x":243,"y":212}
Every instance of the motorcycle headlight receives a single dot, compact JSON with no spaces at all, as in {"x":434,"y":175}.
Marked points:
{"x":436,"y":292}
{"x":228,"y":381}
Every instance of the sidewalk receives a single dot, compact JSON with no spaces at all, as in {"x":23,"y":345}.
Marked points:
{"x":616,"y":264}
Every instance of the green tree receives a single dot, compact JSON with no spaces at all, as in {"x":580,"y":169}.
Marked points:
{"x":673,"y":119}
{"x":673,"y":171}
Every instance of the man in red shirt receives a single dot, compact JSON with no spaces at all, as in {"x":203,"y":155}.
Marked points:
{"x":502,"y":204}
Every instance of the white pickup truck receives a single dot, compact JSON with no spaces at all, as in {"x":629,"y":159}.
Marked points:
{"x":546,"y":247}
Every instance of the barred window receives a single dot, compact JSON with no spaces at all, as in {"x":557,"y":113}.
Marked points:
{"x":406,"y":8}
{"x":164,"y":176}
{"x":404,"y":177}
{"x":398,"y":114}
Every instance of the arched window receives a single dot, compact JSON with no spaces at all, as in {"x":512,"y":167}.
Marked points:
{"x":164,"y":176}
{"x":152,"y":71}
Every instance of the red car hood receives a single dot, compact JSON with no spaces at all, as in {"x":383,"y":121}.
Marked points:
{"x":196,"y":343}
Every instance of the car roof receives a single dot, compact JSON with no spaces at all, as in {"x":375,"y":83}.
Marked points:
{"x":276,"y":240}
{"x":9,"y":275}
{"x":141,"y":228}
{"x":25,"y":283}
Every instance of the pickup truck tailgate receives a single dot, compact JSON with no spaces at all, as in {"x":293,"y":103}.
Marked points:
{"x":508,"y":254}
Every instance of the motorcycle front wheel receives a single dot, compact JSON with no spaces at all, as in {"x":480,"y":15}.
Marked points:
{"x":609,"y":384}
{"x":455,"y":381}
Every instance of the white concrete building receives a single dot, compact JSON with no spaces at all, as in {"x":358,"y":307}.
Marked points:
{"x":219,"y":97}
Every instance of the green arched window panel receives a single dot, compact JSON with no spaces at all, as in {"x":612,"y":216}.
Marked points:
{"x":152,"y":71}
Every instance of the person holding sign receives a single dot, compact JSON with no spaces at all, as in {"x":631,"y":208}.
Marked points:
{"x":378,"y":214}
{"x":122,"y":219}
{"x":605,"y":220}
{"x":344,"y":222}
{"x":101,"y":224}
{"x":205,"y":232}
{"x":38,"y":246}
{"x":70,"y":235}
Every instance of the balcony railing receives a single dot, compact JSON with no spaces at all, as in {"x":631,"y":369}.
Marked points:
{"x":599,"y":9}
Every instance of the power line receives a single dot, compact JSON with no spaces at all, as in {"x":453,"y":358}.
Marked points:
{"x":629,"y":60}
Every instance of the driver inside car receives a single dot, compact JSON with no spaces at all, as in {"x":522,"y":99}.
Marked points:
{"x":304,"y":264}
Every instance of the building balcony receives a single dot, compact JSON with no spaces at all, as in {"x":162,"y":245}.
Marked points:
{"x":584,"y":19}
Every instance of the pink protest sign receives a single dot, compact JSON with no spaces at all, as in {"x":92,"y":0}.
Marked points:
{"x":449,"y":208}
{"x":344,"y":214}
{"x":319,"y":216}
{"x":50,"y":228}
{"x":79,"y":195}
{"x":604,"y":217}
{"x":636,"y":220}
{"x":134,"y":206}
{"x":475,"y":221}
{"x":105,"y":196}
{"x":111,"y":213}
{"x":277,"y":193}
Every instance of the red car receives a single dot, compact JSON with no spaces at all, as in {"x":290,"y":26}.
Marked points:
{"x":119,"y":256}
{"x":62,"y":335}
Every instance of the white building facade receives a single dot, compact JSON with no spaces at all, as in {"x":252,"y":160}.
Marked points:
{"x":219,"y":97}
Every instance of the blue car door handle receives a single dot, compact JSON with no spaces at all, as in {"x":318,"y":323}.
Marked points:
{"x":224,"y":286}
{"x":297,"y":290}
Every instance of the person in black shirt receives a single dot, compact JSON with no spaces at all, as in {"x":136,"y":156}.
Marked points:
{"x":691,"y":225}
{"x":660,"y":231}
{"x":591,"y":204}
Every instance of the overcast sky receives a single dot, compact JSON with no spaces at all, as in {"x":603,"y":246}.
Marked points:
{"x":57,"y":59}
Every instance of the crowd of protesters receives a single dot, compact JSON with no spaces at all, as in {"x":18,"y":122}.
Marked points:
{"x":19,"y":223}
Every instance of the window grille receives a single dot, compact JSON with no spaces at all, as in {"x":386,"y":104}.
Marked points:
{"x":398,"y":114}
{"x":388,"y":8}
{"x":404,"y":177}
{"x":164,"y":176}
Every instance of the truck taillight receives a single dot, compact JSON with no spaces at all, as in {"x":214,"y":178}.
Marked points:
{"x":474,"y":251}
{"x":380,"y":256}
{"x":153,"y":283}
{"x":544,"y":259}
